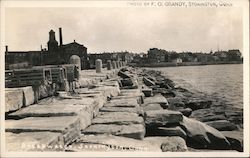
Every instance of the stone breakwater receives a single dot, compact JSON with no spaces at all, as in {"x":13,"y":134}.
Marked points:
{"x":130,"y":109}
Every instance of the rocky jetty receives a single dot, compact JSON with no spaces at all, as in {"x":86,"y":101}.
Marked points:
{"x":130,"y":109}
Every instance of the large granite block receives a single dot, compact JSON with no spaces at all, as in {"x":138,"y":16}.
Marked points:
{"x":107,"y":143}
{"x":156,"y":118}
{"x":13,"y":99}
{"x":68,"y":126}
{"x":118,"y":118}
{"x":131,"y":102}
{"x":84,"y":112}
{"x":136,"y":131}
{"x":34,"y":141}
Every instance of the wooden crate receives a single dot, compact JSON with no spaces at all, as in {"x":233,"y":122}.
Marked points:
{"x":27,"y":77}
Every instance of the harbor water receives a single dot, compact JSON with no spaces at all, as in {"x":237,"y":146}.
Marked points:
{"x":223,"y":83}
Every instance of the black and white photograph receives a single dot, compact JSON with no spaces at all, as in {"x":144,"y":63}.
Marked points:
{"x":124,"y":78}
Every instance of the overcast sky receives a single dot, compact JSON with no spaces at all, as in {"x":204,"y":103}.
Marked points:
{"x":132,"y":29}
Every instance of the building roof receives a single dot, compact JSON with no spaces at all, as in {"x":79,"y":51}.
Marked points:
{"x":73,"y":43}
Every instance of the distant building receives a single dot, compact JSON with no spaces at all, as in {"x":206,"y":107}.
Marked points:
{"x":114,"y":56}
{"x":156,"y":55}
{"x":56,"y":54}
{"x":177,"y":60}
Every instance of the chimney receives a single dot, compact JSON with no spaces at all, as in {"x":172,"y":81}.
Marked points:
{"x":60,"y":36}
{"x":6,"y":49}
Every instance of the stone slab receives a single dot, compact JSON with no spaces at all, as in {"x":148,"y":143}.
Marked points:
{"x":118,"y":118}
{"x":34,"y":141}
{"x":107,"y":143}
{"x":153,"y":106}
{"x":130,"y":92}
{"x":136,"y":131}
{"x":162,"y":117}
{"x":108,"y":91}
{"x":84,"y":112}
{"x":158,"y":98}
{"x":137,"y":110}
{"x":167,"y":131}
{"x":28,"y":94}
{"x":169,"y":144}
{"x":222,"y":125}
{"x":69,"y":126}
{"x":202,"y":136}
{"x":13,"y":99}
{"x":131,"y":102}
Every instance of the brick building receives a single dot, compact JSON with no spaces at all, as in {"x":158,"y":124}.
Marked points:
{"x":55,"y":55}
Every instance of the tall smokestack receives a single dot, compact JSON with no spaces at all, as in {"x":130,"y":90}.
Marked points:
{"x":60,"y":36}
{"x":6,"y":49}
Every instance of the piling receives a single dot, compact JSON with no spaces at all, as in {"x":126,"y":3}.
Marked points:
{"x":114,"y":65}
{"x":98,"y":66}
{"x":109,"y":65}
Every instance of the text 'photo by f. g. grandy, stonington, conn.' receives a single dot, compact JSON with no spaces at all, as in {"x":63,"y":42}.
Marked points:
{"x":141,"y":78}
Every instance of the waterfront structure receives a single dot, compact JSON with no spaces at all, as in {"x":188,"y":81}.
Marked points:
{"x":55,"y":55}
{"x":177,"y":60}
{"x":114,"y":56}
{"x":156,"y":55}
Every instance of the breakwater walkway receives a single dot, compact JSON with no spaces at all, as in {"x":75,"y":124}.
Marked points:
{"x":124,"y":109}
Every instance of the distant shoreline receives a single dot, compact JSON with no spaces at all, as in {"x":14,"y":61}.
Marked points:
{"x":171,"y":64}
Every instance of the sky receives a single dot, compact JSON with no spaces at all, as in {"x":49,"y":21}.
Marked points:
{"x":131,"y":29}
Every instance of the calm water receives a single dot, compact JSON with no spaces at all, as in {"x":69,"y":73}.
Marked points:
{"x":220,"y":82}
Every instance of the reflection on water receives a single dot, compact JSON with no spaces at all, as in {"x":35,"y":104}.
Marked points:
{"x":221,"y":82}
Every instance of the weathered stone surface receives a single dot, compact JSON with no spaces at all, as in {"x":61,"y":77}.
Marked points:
{"x":147,"y":92}
{"x":168,"y":93}
{"x":153,"y":106}
{"x":28,"y":95}
{"x":148,"y":82}
{"x":222,"y":125}
{"x":196,"y":104}
{"x":139,"y":99}
{"x":118,"y":118}
{"x":136,"y":131}
{"x":108,"y":91}
{"x":175,"y":103}
{"x":123,"y":74}
{"x":162,"y":117}
{"x":186,"y":112}
{"x":113,"y":143}
{"x":235,"y":138}
{"x":200,"y":135}
{"x":166,"y":131}
{"x":131,"y":92}
{"x":123,"y":103}
{"x":156,"y":99}
{"x":34,"y":141}
{"x":206,"y":115}
{"x":13,"y":99}
{"x":137,"y":110}
{"x":84,"y":112}
{"x":173,"y":144}
{"x":85,"y":82}
{"x":127,"y":82}
{"x":69,"y":126}
{"x":130,"y":83}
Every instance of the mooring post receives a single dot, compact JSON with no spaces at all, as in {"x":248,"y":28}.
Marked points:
{"x":114,"y":65}
{"x":98,"y":66}
{"x":109,"y":65}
